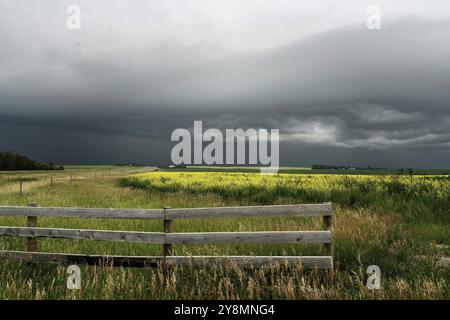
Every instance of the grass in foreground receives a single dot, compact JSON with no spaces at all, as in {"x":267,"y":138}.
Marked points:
{"x":398,"y":223}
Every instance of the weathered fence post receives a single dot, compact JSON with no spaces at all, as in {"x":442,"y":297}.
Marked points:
{"x":328,"y":247}
{"x":71,"y":179}
{"x":167,"y":248}
{"x":32,"y":223}
{"x":51,"y":181}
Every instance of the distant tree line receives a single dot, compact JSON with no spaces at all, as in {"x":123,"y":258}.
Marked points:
{"x":173,"y":167}
{"x":12,"y":161}
{"x":325,"y":166}
{"x":409,"y":171}
{"x":129,"y":164}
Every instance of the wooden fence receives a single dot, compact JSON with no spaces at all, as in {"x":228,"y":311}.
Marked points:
{"x":168,"y":238}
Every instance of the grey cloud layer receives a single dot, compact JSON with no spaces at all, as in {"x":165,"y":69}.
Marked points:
{"x":348,"y":88}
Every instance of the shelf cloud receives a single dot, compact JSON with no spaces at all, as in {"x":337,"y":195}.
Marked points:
{"x":338,"y":92}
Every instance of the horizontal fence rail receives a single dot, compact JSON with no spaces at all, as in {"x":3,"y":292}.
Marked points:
{"x":307,"y":262}
{"x":250,"y":237}
{"x":169,"y":238}
{"x":80,"y":234}
{"x":173,"y":238}
{"x":82,"y":213}
{"x":247,"y":212}
{"x":173,"y":214}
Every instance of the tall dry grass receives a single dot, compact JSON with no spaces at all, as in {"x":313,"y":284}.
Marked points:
{"x":379,"y":220}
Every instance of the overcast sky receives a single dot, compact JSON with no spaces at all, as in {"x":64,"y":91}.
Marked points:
{"x":114,"y":90}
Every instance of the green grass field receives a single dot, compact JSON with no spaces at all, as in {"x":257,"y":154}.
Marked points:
{"x":400,"y":223}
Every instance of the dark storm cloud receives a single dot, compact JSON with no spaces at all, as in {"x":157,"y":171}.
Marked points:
{"x":345,"y":89}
